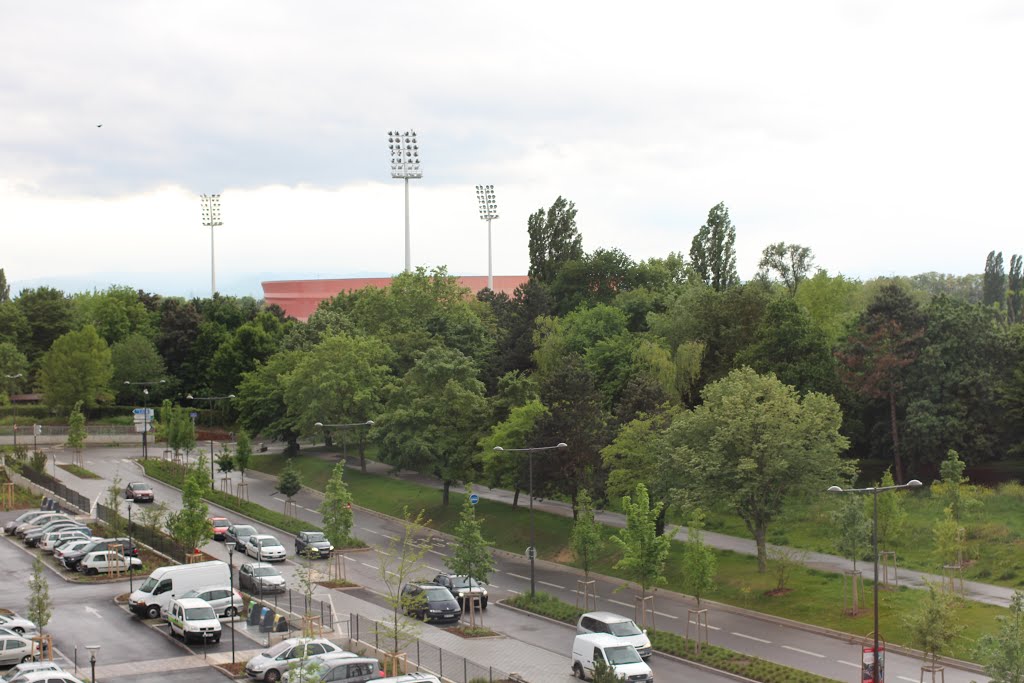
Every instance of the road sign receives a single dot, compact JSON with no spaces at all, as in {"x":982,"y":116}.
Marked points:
{"x":141,"y":427}
{"x":193,"y":414}
{"x":531,"y":553}
{"x":138,"y":412}
{"x":473,"y":499}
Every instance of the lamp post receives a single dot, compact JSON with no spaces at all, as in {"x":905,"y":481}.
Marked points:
{"x":131,"y":579}
{"x":93,"y":649}
{"x":211,"y":219}
{"x":15,"y":405}
{"x":234,"y":610}
{"x":349,"y":425}
{"x":211,"y":400}
{"x":145,"y":411}
{"x":532,"y":550}
{"x":488,"y":212}
{"x":405,"y":164}
{"x":874,"y":491}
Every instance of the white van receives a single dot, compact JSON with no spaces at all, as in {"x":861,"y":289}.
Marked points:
{"x":167,"y":583}
{"x":588,"y":648}
{"x":617,"y":625}
{"x":193,"y":619}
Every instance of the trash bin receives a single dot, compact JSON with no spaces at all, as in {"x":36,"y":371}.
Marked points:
{"x":254,"y":613}
{"x":267,"y":620}
{"x":280,"y":624}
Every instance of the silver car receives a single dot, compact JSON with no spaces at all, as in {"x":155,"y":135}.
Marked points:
{"x":15,"y":650}
{"x":270,"y":664}
{"x":218,"y":597}
{"x":259,"y":578}
{"x":15,"y":674}
{"x":17,"y":624}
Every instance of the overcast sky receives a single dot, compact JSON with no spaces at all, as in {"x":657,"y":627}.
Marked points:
{"x":887,"y":136}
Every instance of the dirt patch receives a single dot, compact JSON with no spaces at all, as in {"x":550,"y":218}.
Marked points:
{"x":564,"y":556}
{"x":776,"y":592}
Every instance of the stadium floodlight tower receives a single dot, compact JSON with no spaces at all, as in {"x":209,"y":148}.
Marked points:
{"x":488,"y":212}
{"x":405,"y":164}
{"x":211,"y":219}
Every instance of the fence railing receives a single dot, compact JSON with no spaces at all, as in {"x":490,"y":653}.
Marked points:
{"x":158,"y":541}
{"x":57,"y":487}
{"x":296,"y":604}
{"x":426,"y":657}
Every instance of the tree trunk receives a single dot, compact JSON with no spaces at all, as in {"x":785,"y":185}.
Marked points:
{"x":760,"y":532}
{"x":447,"y":488}
{"x":897,"y":462}
{"x":515,"y":498}
{"x":362,"y":453}
{"x":659,"y":522}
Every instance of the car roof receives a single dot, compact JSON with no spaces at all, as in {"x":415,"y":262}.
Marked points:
{"x":138,"y":483}
{"x":602,"y":639}
{"x":261,"y":565}
{"x":606,"y":617}
{"x":192,"y":602}
{"x":32,"y":676}
{"x":265,"y":536}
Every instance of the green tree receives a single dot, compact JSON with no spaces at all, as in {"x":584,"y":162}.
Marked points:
{"x":644,"y":551}
{"x":934,"y":625}
{"x":336,"y":509}
{"x":586,"y":539}
{"x":791,"y":262}
{"x":40,"y":606}
{"x":113,"y":500}
{"x":604,"y":673}
{"x":243,"y":452}
{"x":955,"y":490}
{"x":133,"y":357}
{"x":994,"y":284}
{"x":472,"y":555}
{"x":554,"y":240}
{"x":699,"y":562}
{"x":76,"y":368}
{"x":402,"y":561}
{"x":76,"y":430}
{"x":225,"y":460}
{"x":14,"y":327}
{"x":891,"y":515}
{"x":831,"y":302}
{"x":501,"y":468}
{"x":48,"y":314}
{"x":1015,"y":290}
{"x":1003,"y":652}
{"x":5,"y":289}
{"x":190,"y":526}
{"x":637,"y":454}
{"x":949,"y":538}
{"x":852,"y":528}
{"x":260,"y":399}
{"x":752,"y":445}
{"x":290,"y":481}
{"x":713,"y":250}
{"x":12,"y":362}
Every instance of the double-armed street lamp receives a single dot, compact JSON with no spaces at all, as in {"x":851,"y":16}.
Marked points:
{"x":876,"y":674}
{"x":349,"y":425}
{"x":531,"y":552}
{"x":211,"y":400}
{"x":15,"y":404}
{"x":145,"y":411}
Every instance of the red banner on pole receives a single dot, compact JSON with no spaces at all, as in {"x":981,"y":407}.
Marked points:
{"x":868,"y":665}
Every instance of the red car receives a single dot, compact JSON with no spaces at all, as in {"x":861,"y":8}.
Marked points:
{"x":139,"y":491}
{"x":220,"y":527}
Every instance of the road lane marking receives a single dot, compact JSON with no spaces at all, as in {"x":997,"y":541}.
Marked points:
{"x":433,"y":569}
{"x":619,"y":602}
{"x":803,"y":652}
{"x":438,"y":553}
{"x":843,"y":661}
{"x":367,"y":565}
{"x":744,"y":635}
{"x":93,"y":611}
{"x":372,"y":531}
{"x":553,"y":585}
{"x":512,"y":591}
{"x":519,"y":576}
{"x":912,"y":680}
{"x":672,"y":616}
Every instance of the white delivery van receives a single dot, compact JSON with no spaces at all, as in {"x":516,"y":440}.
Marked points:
{"x":588,"y":648}
{"x":193,"y":619}
{"x":167,"y":583}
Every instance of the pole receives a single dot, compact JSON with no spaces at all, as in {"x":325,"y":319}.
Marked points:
{"x":234,"y":610}
{"x":213,"y":272}
{"x":212,"y":480}
{"x":874,"y":549}
{"x":408,"y":248}
{"x":92,"y":663}
{"x":131,"y":580}
{"x":490,"y":273}
{"x":145,"y":423}
{"x":533,"y":546}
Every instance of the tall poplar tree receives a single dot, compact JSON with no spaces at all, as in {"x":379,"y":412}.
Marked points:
{"x":713,"y":250}
{"x":994,"y":282}
{"x":554,"y":240}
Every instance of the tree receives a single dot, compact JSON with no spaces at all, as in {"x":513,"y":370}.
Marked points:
{"x":336,"y":509}
{"x":40,"y":606}
{"x":637,"y":455}
{"x":133,"y":357}
{"x":76,"y":430}
{"x":1015,"y":290}
{"x":994,"y":283}
{"x":604,"y":673}
{"x":289,"y":482}
{"x":471,"y":556}
{"x":114,"y":497}
{"x":554,"y":240}
{"x":586,"y":539}
{"x":955,"y":490}
{"x":752,"y":445}
{"x":5,"y":289}
{"x":699,"y":562}
{"x":791,"y":261}
{"x":190,"y":526}
{"x":1003,"y":652}
{"x":934,"y":625}
{"x":48,"y":314}
{"x":76,"y":368}
{"x":891,"y":515}
{"x":853,"y":528}
{"x":402,"y":561}
{"x":243,"y":452}
{"x":501,"y":468}
{"x":644,"y":551}
{"x":949,"y":539}
{"x":225,"y":461}
{"x":260,"y":399}
{"x":12,"y":362}
{"x":713,"y":250}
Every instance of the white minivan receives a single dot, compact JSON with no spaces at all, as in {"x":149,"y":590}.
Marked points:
{"x":193,"y":619}
{"x":617,"y":625}
{"x":167,"y":583}
{"x":588,"y":648}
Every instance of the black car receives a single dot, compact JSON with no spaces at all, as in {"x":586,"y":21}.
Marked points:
{"x":139,"y":491}
{"x":72,"y":560}
{"x":239,"y":534}
{"x":430,"y":602}
{"x":312,"y":544}
{"x":463,"y":587}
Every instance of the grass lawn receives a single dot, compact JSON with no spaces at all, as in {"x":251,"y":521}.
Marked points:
{"x":79,"y":472}
{"x":814,"y":597}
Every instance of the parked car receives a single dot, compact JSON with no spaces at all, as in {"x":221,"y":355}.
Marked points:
{"x":218,"y":597}
{"x":430,"y":602}
{"x":139,"y":491}
{"x":622,"y":657}
{"x":313,"y":544}
{"x":193,"y":619}
{"x":47,"y":677}
{"x":270,"y":664}
{"x":463,"y":587}
{"x":346,"y":668}
{"x":265,"y":548}
{"x":418,"y":677}
{"x":106,"y":561}
{"x":70,"y":547}
{"x":618,"y":626}
{"x":39,"y":522}
{"x":50,"y":541}
{"x":72,"y":559}
{"x":220,"y":527}
{"x":239,"y":534}
{"x":23,"y":518}
{"x":14,"y":650}
{"x":33,"y":536}
{"x":27,"y":667}
{"x":19,"y":625}
{"x":259,"y":578}
{"x":166,"y":583}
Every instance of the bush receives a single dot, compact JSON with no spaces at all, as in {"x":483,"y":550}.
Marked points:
{"x":38,"y":461}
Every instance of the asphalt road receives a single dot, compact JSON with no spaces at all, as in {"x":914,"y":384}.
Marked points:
{"x":822,"y":654}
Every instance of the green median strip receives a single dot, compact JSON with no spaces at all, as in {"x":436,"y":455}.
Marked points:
{"x":79,"y":472}
{"x":713,"y":656}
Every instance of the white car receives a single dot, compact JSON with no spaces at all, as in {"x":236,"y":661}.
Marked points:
{"x":193,"y":619}
{"x":17,"y":624}
{"x":105,"y":561}
{"x":265,"y":548}
{"x":70,"y":547}
{"x":270,"y":664}
{"x":18,"y":672}
{"x":14,"y":650}
{"x":48,"y":677}
{"x":51,"y":540}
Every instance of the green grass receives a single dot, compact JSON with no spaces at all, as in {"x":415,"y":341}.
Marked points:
{"x":674,"y":644}
{"x":79,"y":472}
{"x":814,"y":597}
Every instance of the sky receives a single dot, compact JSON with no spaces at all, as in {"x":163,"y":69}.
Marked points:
{"x":886,"y":136}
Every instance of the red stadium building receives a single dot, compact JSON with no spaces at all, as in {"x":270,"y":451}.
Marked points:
{"x":299,"y":298}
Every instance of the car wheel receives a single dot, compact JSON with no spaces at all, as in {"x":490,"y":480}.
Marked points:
{"x":92,"y":571}
{"x":230,"y":612}
{"x":26,"y":658}
{"x":217,"y":639}
{"x":153,"y":612}
{"x":272,"y":676}
{"x":19,"y":630}
{"x":577,"y":670}
{"x":483,"y":604}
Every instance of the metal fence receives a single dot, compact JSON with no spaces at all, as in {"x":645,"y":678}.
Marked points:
{"x":158,"y":541}
{"x":296,"y":604}
{"x":47,"y":482}
{"x":426,"y":657}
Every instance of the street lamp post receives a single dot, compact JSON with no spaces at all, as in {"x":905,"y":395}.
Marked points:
{"x":131,"y":580}
{"x":234,"y":610}
{"x":874,"y":491}
{"x":93,"y":649}
{"x":349,"y":425}
{"x":532,"y":550}
{"x":211,"y":400}
{"x":145,"y":411}
{"x":15,"y":405}
{"x":211,"y":219}
{"x":405,"y":164}
{"x":488,"y":212}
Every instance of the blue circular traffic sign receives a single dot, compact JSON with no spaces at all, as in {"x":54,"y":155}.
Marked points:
{"x":473,"y":499}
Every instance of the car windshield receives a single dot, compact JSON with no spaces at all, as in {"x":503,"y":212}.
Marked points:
{"x":138,"y":486}
{"x":277,"y":649}
{"x":315,"y":538}
{"x":464,"y":582}
{"x":438,"y":594}
{"x":218,"y":521}
{"x":265,"y":571}
{"x":268,"y":542}
{"x":200,"y":613}
{"x":624,"y":628}
{"x":623,"y":654}
{"x":149,"y":585}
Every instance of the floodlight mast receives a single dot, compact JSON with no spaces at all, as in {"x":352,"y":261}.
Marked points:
{"x":211,"y":219}
{"x":488,"y":212}
{"x":405,"y":164}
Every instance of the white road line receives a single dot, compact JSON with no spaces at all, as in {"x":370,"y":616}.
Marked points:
{"x":760,"y":640}
{"x":912,"y":680}
{"x":843,"y":661}
{"x":512,"y":591}
{"x":518,"y":576}
{"x":553,"y":585}
{"x":367,"y":565}
{"x":372,"y":531}
{"x":619,"y":602}
{"x":390,"y":538}
{"x":803,"y":652}
{"x":713,"y":628}
{"x":493,"y":585}
{"x":672,"y":616}
{"x":437,"y":553}
{"x":433,"y":569}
